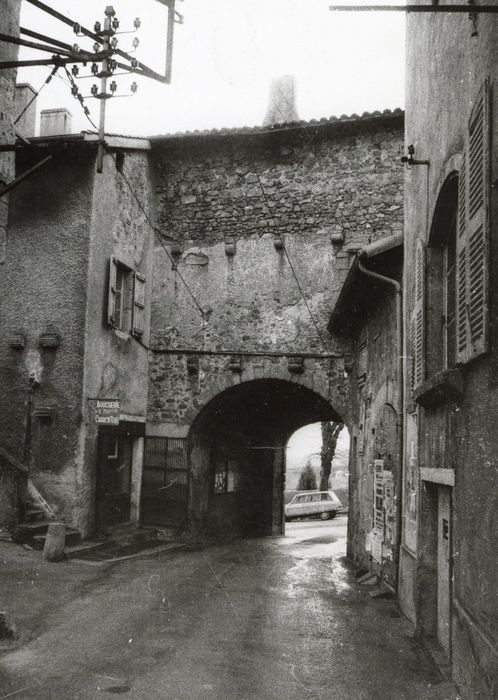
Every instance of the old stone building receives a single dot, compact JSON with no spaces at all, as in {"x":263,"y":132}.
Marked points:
{"x":235,"y":381}
{"x":74,"y":303}
{"x":368,"y":311}
{"x":448,"y":562}
{"x":237,"y":242}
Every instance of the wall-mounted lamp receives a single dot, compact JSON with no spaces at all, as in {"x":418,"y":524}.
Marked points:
{"x":410,"y":160}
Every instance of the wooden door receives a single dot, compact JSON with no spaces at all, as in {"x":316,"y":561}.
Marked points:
{"x":444,"y":569}
{"x":115,"y":454}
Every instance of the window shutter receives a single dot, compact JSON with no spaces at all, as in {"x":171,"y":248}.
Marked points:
{"x":473,"y":234}
{"x":111,"y":293}
{"x":138,"y":325}
{"x":417,"y":316}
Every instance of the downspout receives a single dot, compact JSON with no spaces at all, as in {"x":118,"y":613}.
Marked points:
{"x":400,"y":423}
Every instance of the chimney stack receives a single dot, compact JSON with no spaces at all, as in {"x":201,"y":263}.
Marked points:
{"x":55,"y":122}
{"x":27,"y":123}
{"x":282,"y":102}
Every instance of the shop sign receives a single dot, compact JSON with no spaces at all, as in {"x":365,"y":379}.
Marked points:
{"x":107,"y":411}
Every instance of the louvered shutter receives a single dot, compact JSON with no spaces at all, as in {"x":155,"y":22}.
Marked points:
{"x":417,"y":316}
{"x":111,"y":293}
{"x":473,"y":234}
{"x":138,"y":324}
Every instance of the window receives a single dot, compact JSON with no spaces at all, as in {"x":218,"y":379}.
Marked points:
{"x":126,"y":299}
{"x":326,"y":497}
{"x":472,"y":251}
{"x":441,"y":281}
{"x":226,"y":476}
{"x":458,"y":255}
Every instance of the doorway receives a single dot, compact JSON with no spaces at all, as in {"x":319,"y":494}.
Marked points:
{"x":435,"y":564}
{"x":444,"y":569}
{"x":114,"y":472}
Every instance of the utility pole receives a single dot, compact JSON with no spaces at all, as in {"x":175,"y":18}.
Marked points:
{"x":104,"y":74}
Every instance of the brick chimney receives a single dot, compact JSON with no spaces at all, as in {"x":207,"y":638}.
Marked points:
{"x":27,"y":123}
{"x":55,"y":122}
{"x":282,"y":102}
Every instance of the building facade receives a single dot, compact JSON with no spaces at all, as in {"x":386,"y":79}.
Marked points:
{"x":448,"y":562}
{"x":75,"y":300}
{"x":368,"y":312}
{"x":206,"y":234}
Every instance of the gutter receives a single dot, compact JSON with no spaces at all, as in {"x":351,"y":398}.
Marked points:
{"x":364,"y":254}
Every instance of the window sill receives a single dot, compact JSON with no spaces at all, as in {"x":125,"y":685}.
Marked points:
{"x":441,"y":387}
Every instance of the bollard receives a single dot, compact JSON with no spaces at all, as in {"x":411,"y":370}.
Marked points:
{"x":55,"y":542}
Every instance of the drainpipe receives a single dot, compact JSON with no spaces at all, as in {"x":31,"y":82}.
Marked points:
{"x":399,"y":332}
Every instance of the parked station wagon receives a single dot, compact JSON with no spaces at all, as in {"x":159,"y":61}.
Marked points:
{"x":323,"y":504}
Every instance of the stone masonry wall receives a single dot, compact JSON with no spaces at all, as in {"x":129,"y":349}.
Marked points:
{"x":233,"y":193}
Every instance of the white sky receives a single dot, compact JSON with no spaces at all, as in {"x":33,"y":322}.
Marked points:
{"x":225,"y":54}
{"x":308,"y":440}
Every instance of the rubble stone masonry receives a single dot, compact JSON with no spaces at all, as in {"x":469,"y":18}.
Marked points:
{"x":224,"y":202}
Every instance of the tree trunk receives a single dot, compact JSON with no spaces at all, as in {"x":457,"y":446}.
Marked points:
{"x":330,"y":433}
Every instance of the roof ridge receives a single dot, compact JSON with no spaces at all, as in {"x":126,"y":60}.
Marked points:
{"x":286,"y":125}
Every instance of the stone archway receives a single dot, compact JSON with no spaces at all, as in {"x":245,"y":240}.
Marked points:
{"x":236,"y":450}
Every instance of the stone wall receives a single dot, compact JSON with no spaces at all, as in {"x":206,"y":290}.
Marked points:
{"x":222,"y":199}
{"x":374,"y":426}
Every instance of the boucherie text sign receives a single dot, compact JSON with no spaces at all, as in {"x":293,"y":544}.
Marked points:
{"x":107,"y":411}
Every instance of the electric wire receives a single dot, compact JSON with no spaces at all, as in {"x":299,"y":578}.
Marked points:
{"x":158,"y":236}
{"x":48,"y":79}
{"x":80,"y":98}
{"x":137,"y":199}
{"x":291,"y":265}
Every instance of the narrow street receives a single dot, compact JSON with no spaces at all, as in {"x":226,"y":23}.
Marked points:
{"x":259,"y":619}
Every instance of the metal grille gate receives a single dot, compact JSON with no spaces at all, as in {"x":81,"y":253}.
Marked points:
{"x":165,"y":482}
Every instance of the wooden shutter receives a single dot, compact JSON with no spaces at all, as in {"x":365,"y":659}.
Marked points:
{"x":111,"y":293}
{"x":138,"y":323}
{"x":417,"y":316}
{"x":473,"y":234}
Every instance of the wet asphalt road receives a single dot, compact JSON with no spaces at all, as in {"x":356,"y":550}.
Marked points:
{"x":253,"y":619}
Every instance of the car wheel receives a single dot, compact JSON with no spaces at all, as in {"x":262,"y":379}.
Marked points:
{"x":325,"y":515}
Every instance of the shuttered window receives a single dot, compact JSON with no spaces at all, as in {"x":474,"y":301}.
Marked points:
{"x":138,"y":304}
{"x":111,"y":295}
{"x":473,"y":234}
{"x":417,"y":316}
{"x":126,"y":298}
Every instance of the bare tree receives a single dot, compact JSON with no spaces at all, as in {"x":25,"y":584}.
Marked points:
{"x":330,"y":433}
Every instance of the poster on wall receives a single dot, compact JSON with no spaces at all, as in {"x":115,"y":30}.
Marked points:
{"x":411,"y":476}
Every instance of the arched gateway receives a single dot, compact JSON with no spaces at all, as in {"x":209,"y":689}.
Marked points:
{"x":236,"y":454}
